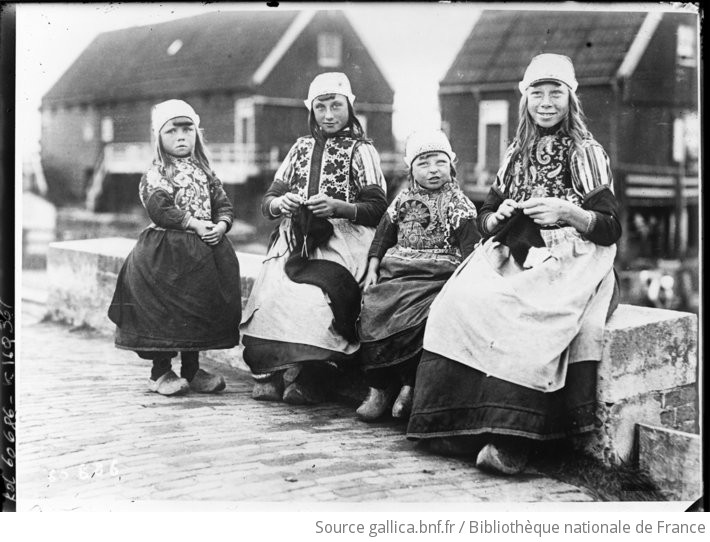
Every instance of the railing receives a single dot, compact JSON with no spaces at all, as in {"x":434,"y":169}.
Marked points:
{"x":657,"y":188}
{"x":234,"y":163}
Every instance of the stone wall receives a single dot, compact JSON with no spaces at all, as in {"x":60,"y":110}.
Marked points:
{"x":648,"y":371}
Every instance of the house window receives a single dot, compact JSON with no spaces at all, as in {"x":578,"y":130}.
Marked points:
{"x":493,"y":139}
{"x":107,"y":130}
{"x":330,"y":50}
{"x":686,"y":140}
{"x":174,"y":47}
{"x":244,"y":124}
{"x":685,"y":46}
{"x":492,"y":130}
{"x":244,"y":134}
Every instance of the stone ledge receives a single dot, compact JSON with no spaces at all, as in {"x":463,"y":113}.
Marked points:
{"x":640,"y":345}
{"x":672,"y":460}
{"x":649,"y":356}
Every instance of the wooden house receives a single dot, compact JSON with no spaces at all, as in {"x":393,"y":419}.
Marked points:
{"x":246,"y":73}
{"x":638,"y":83}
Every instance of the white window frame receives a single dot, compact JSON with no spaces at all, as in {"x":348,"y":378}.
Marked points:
{"x":492,"y":112}
{"x":87,"y":131}
{"x":330,"y":50}
{"x":106,"y":130}
{"x":686,"y":137}
{"x":686,"y":54}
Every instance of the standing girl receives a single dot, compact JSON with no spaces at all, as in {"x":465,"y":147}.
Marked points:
{"x":328,"y":194}
{"x":427,"y":230}
{"x":513,"y":339}
{"x":179,"y":289}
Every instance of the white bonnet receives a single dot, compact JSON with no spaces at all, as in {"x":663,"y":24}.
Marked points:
{"x":423,"y":141}
{"x":171,"y":109}
{"x":549,"y":67}
{"x":329,"y":83}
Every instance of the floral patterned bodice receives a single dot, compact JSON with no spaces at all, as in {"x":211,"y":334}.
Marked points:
{"x":548,"y":172}
{"x":190,"y":188}
{"x":427,"y":220}
{"x":334,"y":179}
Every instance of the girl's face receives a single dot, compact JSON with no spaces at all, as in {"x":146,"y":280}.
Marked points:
{"x":331,"y":112}
{"x":178,"y":137}
{"x":548,"y":103}
{"x":431,"y":170}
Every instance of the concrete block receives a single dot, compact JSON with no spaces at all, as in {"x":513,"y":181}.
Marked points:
{"x":82,"y":278}
{"x":647,"y":349}
{"x":685,"y":395}
{"x":649,"y":358}
{"x":672,"y":460}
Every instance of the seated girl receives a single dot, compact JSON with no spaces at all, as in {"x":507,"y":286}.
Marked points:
{"x":427,"y":230}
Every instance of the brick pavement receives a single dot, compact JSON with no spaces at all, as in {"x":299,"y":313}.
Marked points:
{"x":91,"y":435}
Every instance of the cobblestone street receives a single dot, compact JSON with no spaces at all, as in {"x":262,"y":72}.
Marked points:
{"x":91,"y":432}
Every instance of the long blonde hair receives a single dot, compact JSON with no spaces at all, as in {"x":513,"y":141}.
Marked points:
{"x":200,"y":154}
{"x":573,"y":125}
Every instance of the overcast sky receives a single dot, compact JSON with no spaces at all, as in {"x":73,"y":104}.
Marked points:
{"x":413,"y":43}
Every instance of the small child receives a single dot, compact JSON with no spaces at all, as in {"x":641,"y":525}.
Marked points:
{"x":424,"y":235}
{"x":179,"y":289}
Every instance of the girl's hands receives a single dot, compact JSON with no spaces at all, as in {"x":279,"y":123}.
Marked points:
{"x":548,"y":211}
{"x":215,"y":233}
{"x":324,"y":206}
{"x":504,"y":212}
{"x":373,"y":273}
{"x":200,"y":227}
{"x":287,"y":204}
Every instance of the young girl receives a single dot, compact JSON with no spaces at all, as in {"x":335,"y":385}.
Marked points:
{"x":328,"y":194}
{"x":179,"y":289}
{"x":513,"y":339}
{"x":427,"y":230}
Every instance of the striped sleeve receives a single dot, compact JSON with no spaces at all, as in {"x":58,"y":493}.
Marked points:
{"x":366,"y":167}
{"x":500,"y":181}
{"x":285,"y":171}
{"x":590,"y":169}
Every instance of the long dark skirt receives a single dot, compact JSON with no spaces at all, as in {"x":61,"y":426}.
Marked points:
{"x":176,"y":293}
{"x":393,"y":350}
{"x":264,"y":356}
{"x":452,"y":399}
{"x":395,"y":310}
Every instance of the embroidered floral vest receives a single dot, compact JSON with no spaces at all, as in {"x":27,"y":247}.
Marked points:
{"x":548,"y":173}
{"x":332,"y":178}
{"x":427,"y":220}
{"x":190,"y":188}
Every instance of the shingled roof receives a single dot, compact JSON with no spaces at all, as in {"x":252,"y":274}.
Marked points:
{"x":502,"y":43}
{"x":235,"y":42}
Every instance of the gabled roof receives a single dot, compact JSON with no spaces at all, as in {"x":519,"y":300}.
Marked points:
{"x":235,"y":42}
{"x":502,"y":43}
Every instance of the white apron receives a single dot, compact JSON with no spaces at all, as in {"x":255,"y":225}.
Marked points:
{"x":525,"y":326}
{"x":282,"y":310}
